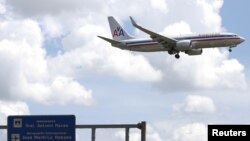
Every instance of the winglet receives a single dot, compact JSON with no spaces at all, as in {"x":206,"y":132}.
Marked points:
{"x":133,"y":21}
{"x":136,"y":25}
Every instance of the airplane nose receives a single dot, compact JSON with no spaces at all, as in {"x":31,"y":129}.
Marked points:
{"x":242,"y":39}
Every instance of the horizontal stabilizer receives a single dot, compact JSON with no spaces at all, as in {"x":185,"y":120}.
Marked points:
{"x":113,"y":42}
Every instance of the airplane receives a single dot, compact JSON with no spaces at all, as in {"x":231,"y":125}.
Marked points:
{"x":191,"y":45}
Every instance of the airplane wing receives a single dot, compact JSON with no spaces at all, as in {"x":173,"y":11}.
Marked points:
{"x":165,"y":41}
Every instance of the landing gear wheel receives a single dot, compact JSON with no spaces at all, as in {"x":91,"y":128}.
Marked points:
{"x":230,"y":50}
{"x":170,"y":52}
{"x":177,"y":56}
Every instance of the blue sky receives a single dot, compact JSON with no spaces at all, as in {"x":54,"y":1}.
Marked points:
{"x":54,"y":64}
{"x":237,"y":21}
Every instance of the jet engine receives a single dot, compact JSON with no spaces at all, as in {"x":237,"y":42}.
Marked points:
{"x":183,"y":45}
{"x":194,"y":51}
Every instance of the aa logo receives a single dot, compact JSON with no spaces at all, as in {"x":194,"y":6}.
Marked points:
{"x":118,"y":32}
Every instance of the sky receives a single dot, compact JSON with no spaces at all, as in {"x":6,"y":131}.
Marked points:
{"x":53,"y":63}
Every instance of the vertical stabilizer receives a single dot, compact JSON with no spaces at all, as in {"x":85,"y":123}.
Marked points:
{"x":118,"y":33}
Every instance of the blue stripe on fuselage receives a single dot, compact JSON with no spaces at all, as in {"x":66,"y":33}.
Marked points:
{"x":204,"y":37}
{"x":193,"y":38}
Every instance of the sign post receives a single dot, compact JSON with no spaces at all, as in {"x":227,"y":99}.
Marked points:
{"x":43,"y":128}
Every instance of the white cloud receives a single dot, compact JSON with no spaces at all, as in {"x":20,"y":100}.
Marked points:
{"x":29,"y":74}
{"x":211,"y":70}
{"x":8,"y":108}
{"x":135,"y":135}
{"x":12,"y":108}
{"x":2,"y":7}
{"x":26,"y":74}
{"x":52,"y":27}
{"x":202,"y":11}
{"x":191,"y":132}
{"x":113,"y":62}
{"x":84,"y":53}
{"x":67,"y":90}
{"x":39,"y":8}
{"x":196,"y":104}
{"x":179,"y":28}
{"x":93,"y":54}
{"x":159,"y":5}
{"x":211,"y":17}
{"x":61,"y":90}
{"x":132,"y":67}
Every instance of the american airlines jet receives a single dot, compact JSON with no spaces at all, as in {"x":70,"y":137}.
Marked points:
{"x":191,"y":45}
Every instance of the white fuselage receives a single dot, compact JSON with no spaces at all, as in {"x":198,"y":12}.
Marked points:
{"x":191,"y":45}
{"x":197,"y":42}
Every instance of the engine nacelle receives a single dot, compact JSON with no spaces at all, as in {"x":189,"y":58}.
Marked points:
{"x":194,"y":51}
{"x":183,"y":45}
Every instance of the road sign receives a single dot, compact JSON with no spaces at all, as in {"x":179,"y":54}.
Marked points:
{"x":41,"y":128}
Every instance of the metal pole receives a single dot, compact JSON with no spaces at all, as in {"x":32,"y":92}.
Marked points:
{"x":3,"y":127}
{"x":93,"y":134}
{"x":143,"y":131}
{"x":108,"y":126}
{"x":127,"y":134}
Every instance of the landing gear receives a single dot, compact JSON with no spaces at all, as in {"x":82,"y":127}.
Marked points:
{"x":175,"y":53}
{"x":170,"y":52}
{"x":177,"y":56}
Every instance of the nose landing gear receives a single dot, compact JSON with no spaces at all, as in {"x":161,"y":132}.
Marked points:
{"x":177,"y":56}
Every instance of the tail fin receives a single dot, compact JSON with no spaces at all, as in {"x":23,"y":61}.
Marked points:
{"x":118,"y":33}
